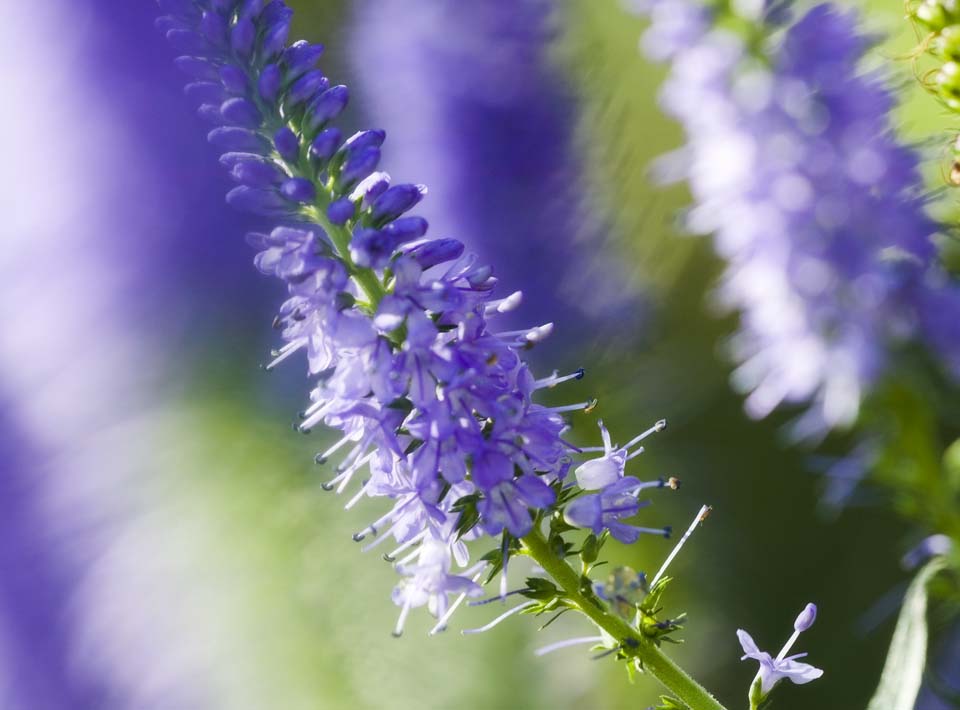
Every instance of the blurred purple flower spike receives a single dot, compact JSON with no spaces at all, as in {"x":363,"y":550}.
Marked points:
{"x":493,"y":135}
{"x":813,"y":202}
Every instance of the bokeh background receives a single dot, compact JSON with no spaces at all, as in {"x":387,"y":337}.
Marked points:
{"x":164,"y":542}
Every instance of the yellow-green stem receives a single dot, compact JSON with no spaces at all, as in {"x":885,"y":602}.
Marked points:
{"x":634,"y":643}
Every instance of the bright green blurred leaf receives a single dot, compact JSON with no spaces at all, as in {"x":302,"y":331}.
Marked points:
{"x":903,"y":670}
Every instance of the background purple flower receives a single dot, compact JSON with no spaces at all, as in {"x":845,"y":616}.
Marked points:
{"x":814,"y":203}
{"x":478,"y":111}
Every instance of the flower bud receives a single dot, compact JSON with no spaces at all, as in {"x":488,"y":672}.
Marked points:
{"x":806,"y":618}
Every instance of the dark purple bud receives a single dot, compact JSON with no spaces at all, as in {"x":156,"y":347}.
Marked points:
{"x":365,"y":139}
{"x":275,"y":11}
{"x":371,"y":248}
{"x":288,"y":145}
{"x":259,"y":240}
{"x":299,"y":58}
{"x":275,"y":20}
{"x":188,"y":41}
{"x":234,"y":79}
{"x":240,"y":112}
{"x":325,"y":145}
{"x":258,"y":201}
{"x":395,"y":201}
{"x":197,"y":68}
{"x":269,"y":83}
{"x":182,"y":8}
{"x":211,"y":114}
{"x":205,"y":92}
{"x":806,"y":618}
{"x":257,"y":172}
{"x":238,"y":139}
{"x":370,"y":188}
{"x":242,"y":37}
{"x":479,"y":275}
{"x":304,"y":88}
{"x":326,"y":107}
{"x":437,"y":251}
{"x":299,"y":190}
{"x":406,"y":229}
{"x":250,"y":8}
{"x":214,"y":28}
{"x":341,"y":210}
{"x":357,"y":166}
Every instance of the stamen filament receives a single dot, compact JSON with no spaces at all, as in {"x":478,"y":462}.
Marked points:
{"x":701,"y":516}
{"x":441,"y":624}
{"x":504,"y":615}
{"x":550,"y":648}
{"x":659,"y":426}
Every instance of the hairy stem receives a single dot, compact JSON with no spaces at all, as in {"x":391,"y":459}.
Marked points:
{"x":633,"y":643}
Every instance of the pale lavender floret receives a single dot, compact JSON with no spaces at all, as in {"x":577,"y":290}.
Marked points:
{"x":605,"y":510}
{"x":813,"y":203}
{"x":773,"y":670}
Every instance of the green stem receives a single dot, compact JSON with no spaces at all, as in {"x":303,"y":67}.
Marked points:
{"x":340,"y":236}
{"x":634,"y":643}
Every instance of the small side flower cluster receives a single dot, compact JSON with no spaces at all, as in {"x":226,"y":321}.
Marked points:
{"x":435,"y":408}
{"x":813,"y":202}
{"x":773,"y":670}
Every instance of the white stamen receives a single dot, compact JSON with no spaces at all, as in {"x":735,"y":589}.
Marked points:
{"x":348,"y":474}
{"x":285,"y":352}
{"x":504,"y":615}
{"x":398,"y":629}
{"x":333,"y":449}
{"x":409,"y":543}
{"x":659,"y":426}
{"x":505,"y":305}
{"x":550,"y":648}
{"x":357,"y":497}
{"x":701,"y":516}
{"x":441,"y":624}
{"x":636,"y":453}
{"x":407,"y":559}
{"x":585,"y":406}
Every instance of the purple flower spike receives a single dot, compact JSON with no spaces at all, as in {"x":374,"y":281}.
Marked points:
{"x":816,"y":206}
{"x":434,"y":405}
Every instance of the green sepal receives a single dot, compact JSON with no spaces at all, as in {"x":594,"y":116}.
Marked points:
{"x":669,"y":703}
{"x":469,"y":515}
{"x":651,"y":605}
{"x":540,"y":589}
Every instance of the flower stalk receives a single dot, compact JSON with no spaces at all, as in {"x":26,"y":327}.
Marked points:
{"x":633,"y":643}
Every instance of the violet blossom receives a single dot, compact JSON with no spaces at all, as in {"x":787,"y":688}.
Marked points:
{"x":814,"y":203}
{"x":434,"y":405}
{"x":773,"y":670}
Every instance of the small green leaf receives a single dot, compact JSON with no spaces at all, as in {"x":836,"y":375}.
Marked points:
{"x":539,"y":588}
{"x":903,"y":669}
{"x":951,"y":464}
{"x":668,"y":703}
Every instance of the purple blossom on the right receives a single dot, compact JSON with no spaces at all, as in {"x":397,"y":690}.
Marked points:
{"x":773,"y":670}
{"x":814,"y":203}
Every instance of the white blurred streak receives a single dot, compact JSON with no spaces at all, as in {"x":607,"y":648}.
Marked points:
{"x":75,"y":363}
